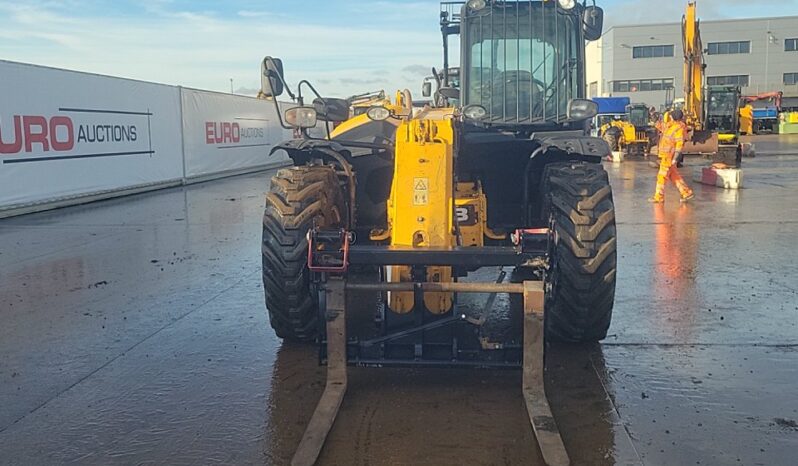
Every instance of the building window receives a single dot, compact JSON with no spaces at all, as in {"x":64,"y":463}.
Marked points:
{"x":791,"y":45}
{"x":652,"y":51}
{"x":739,"y":80}
{"x":638,"y":85}
{"x":728,"y":48}
{"x":790,"y":79}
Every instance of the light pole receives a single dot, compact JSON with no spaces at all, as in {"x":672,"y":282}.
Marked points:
{"x":231,"y":85}
{"x":771,"y":40}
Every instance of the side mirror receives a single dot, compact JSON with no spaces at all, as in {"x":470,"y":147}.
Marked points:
{"x":449,"y":92}
{"x":426,"y":89}
{"x":329,"y":109}
{"x":271,"y":79}
{"x":593,"y":22}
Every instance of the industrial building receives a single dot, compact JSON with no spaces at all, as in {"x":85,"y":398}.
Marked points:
{"x":644,"y":62}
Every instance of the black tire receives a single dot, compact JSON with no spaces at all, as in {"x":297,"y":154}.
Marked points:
{"x":612,"y":137}
{"x":578,"y":202}
{"x":299,"y":198}
{"x":653,"y":141}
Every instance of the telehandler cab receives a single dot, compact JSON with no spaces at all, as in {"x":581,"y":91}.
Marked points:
{"x":506,"y":178}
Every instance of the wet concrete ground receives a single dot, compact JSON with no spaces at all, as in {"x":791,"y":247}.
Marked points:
{"x":133,"y":331}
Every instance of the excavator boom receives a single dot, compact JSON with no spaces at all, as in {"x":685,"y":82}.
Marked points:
{"x":693,"y":68}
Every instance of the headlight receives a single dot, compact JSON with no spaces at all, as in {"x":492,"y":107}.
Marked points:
{"x":301,"y":117}
{"x":582,"y":109}
{"x":567,"y":4}
{"x":476,"y":5}
{"x":475,"y":112}
{"x":378,"y":113}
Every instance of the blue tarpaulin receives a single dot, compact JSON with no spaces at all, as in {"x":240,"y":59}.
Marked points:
{"x":611,"y":105}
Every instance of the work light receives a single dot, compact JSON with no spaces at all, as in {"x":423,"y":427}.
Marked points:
{"x":378,"y":113}
{"x":475,"y":112}
{"x":476,"y":5}
{"x":567,"y":4}
{"x":301,"y":117}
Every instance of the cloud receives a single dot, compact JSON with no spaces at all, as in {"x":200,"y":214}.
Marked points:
{"x":399,"y":11}
{"x":253,"y":14}
{"x":204,"y":49}
{"x":345,"y":47}
{"x":359,"y":81}
{"x":418,"y":70}
{"x":630,"y":12}
{"x":247,"y":90}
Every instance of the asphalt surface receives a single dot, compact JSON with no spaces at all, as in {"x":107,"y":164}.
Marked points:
{"x":133,"y":331}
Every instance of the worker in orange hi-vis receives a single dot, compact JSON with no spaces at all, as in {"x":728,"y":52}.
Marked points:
{"x":670,"y":152}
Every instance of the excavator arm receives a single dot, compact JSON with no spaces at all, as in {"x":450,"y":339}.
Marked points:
{"x":694,"y":67}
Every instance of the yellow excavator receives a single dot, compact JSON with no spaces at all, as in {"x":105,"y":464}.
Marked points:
{"x":405,"y":203}
{"x":700,"y":101}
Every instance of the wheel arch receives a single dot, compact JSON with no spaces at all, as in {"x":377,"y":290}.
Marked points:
{"x":369,"y":174}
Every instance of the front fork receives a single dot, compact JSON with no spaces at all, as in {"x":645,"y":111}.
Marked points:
{"x":332,"y":301}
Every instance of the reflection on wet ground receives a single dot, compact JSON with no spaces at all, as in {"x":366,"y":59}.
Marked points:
{"x":133,"y":331}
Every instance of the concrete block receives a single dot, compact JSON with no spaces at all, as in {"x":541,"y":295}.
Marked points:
{"x":728,"y":178}
{"x":749,"y":149}
{"x":617,"y":156}
{"x":788,"y":128}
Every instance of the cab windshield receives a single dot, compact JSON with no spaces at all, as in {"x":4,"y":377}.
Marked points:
{"x":521,"y":61}
{"x":638,"y":116}
{"x":722,"y":103}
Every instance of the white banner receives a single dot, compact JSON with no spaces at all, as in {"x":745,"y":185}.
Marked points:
{"x":65,"y":134}
{"x":224,"y":132}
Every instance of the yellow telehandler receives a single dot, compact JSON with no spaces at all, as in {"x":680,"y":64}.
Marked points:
{"x":499,"y":172}
{"x":631,"y":133}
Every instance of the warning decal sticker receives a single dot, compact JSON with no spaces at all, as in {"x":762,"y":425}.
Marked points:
{"x":420,"y":191}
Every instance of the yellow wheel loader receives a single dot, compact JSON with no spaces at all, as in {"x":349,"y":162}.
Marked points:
{"x":507,"y":179}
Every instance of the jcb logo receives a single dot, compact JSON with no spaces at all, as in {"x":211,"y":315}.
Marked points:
{"x":56,"y":134}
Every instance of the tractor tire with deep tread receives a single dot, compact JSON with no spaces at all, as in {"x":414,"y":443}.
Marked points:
{"x":299,"y":198}
{"x":612,"y":137}
{"x":579,"y":205}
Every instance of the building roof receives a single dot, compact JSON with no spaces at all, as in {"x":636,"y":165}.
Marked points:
{"x":708,"y":21}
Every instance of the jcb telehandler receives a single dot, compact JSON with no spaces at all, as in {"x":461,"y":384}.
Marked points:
{"x":632,"y":134}
{"x":508,"y":178}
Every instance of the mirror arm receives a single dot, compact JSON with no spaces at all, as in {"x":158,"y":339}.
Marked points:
{"x":313,"y":89}
{"x":279,"y":116}
{"x":316,"y":93}
{"x":269,"y":74}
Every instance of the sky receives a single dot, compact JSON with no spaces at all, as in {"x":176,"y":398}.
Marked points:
{"x":343,"y":47}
